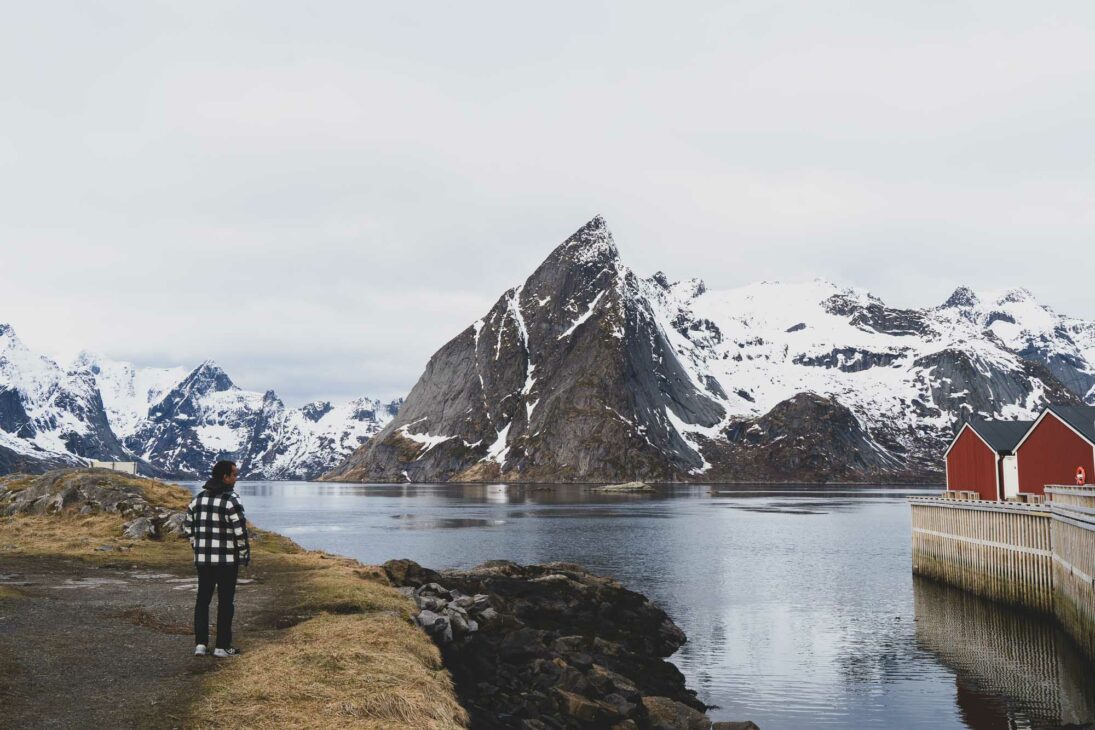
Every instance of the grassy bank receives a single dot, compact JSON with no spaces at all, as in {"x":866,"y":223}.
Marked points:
{"x":339,"y":648}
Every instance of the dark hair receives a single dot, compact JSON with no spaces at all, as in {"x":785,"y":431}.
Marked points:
{"x":222,"y":469}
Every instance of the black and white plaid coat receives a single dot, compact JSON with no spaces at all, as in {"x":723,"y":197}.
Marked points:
{"x":217,"y":527}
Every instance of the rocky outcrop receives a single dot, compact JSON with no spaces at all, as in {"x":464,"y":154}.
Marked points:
{"x":89,"y":491}
{"x":807,"y":437}
{"x":568,"y":378}
{"x":552,"y":646}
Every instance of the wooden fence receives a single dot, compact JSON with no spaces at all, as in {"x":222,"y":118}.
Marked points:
{"x":1073,"y":538}
{"x":1040,"y":556}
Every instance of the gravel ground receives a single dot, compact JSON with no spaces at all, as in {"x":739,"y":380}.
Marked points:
{"x":89,"y":647}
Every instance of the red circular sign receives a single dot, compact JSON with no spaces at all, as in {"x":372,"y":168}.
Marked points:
{"x":1081,"y":476}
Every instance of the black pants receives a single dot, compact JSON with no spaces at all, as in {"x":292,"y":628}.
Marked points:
{"x":223,"y":578}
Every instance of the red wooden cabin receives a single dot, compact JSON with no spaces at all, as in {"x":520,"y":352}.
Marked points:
{"x":1061,"y":439}
{"x":980,"y":459}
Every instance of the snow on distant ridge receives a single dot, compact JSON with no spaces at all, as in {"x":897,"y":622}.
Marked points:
{"x":176,"y":419}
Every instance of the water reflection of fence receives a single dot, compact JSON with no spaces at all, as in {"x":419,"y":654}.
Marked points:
{"x":997,"y":651}
{"x":1037,"y":556}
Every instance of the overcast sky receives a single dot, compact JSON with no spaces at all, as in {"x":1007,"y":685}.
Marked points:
{"x":319,"y":195}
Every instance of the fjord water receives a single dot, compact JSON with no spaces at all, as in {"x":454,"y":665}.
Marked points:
{"x":799,"y":602}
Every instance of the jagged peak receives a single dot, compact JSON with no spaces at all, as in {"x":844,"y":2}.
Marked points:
{"x":210,"y":376}
{"x":8,"y":338}
{"x":961,"y":298}
{"x":316,"y":410}
{"x":1018,"y":294}
{"x":592,"y":242}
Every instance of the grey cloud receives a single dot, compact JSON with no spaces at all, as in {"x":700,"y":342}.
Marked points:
{"x":318,"y":200}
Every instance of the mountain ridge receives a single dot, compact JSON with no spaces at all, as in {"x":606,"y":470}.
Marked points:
{"x":592,"y":373}
{"x":172,"y":421}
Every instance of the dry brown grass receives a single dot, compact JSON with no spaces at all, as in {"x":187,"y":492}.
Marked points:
{"x":16,"y":482}
{"x":353,"y":658}
{"x":360,"y":671}
{"x":81,"y":536}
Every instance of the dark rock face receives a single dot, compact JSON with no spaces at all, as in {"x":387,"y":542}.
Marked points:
{"x":551,"y":646}
{"x":81,"y":400}
{"x":567,"y":378}
{"x":12,"y":462}
{"x":851,"y":360}
{"x":805,"y":438}
{"x":877,"y":317}
{"x":315,"y":411}
{"x":13,"y":415}
{"x":977,"y":385}
{"x":1070,"y":370}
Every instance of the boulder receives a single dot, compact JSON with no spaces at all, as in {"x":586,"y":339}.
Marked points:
{"x":745,"y":725}
{"x":141,"y":528}
{"x":626,"y":487}
{"x":173,"y":524}
{"x":405,"y":572}
{"x":666,"y":714}
{"x":586,"y":710}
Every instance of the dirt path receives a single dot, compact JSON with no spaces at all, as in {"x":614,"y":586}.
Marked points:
{"x":91,"y":647}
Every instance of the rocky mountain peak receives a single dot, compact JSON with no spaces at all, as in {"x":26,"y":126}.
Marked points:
{"x":316,"y":410}
{"x":962,"y":298}
{"x":592,"y":244}
{"x":1018,"y":294}
{"x":9,"y":340}
{"x":207,"y":378}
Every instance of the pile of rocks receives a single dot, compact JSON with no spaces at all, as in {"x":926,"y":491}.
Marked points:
{"x":553,"y":646}
{"x":450,"y":615}
{"x":88,"y":491}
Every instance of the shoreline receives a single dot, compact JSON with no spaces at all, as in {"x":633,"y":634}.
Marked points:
{"x":330,"y":640}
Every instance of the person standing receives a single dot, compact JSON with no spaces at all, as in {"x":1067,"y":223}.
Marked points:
{"x":217,"y":528}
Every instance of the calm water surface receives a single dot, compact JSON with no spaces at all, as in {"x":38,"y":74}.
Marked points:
{"x":799,"y":604}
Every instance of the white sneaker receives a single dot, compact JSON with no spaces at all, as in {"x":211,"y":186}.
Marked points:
{"x":222,"y":653}
{"x":200,"y":650}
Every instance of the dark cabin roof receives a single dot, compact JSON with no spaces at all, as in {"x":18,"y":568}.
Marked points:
{"x":1081,"y":418}
{"x":1001,"y":436}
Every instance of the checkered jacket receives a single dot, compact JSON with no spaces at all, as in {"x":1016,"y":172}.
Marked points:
{"x":217,"y":528}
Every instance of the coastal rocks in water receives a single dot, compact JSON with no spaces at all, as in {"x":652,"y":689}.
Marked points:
{"x":626,"y":487}
{"x":552,"y":646}
{"x":666,"y":713}
{"x":88,"y":491}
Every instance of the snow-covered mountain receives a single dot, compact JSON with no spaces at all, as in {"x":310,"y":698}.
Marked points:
{"x":49,"y":414}
{"x":589,"y":372}
{"x":205,"y":417}
{"x":177,"y":422}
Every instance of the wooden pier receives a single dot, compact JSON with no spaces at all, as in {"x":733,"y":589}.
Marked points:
{"x":1040,"y":556}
